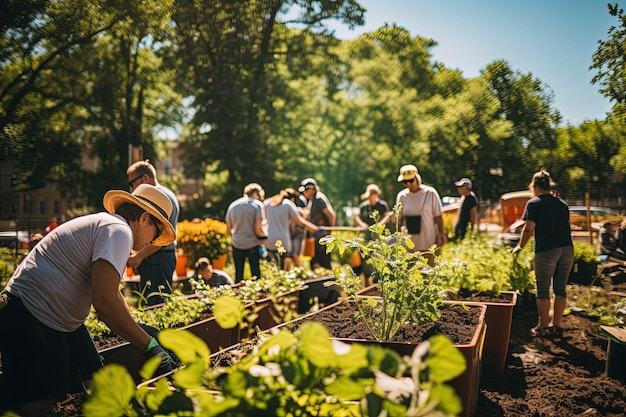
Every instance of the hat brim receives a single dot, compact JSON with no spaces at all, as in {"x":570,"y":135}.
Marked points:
{"x":408,"y":176}
{"x":115,"y":198}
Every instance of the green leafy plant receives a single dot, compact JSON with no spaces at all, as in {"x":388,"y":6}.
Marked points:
{"x":585,"y":252}
{"x":178,"y":311}
{"x":289,"y":374}
{"x":488,"y":266}
{"x":409,"y":289}
{"x":595,"y":303}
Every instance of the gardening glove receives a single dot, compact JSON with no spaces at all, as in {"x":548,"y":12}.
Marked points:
{"x":516,"y":250}
{"x":154,"y":349}
{"x":151,"y":330}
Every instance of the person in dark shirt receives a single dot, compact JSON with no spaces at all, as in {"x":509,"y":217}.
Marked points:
{"x":321,"y":214}
{"x":547,"y":216}
{"x":468,"y":212}
{"x":371,"y":203}
{"x":212,"y":277}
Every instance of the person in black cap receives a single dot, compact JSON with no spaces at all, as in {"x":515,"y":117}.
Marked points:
{"x":321,"y":213}
{"x":468,"y":212}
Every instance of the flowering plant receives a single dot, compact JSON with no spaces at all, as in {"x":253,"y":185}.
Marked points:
{"x":199,"y":238}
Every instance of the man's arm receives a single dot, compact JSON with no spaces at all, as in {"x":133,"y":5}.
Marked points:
{"x":137,"y":258}
{"x":111,"y":306}
{"x":441,"y":235}
{"x":330,"y":215}
{"x":474,"y":218}
{"x":305,"y":223}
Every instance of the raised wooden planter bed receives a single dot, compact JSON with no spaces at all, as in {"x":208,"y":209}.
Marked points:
{"x":466,"y":385}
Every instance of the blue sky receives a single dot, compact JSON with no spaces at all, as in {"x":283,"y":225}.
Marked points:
{"x":552,"y":39}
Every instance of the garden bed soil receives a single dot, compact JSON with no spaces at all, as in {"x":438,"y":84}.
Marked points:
{"x":542,"y":378}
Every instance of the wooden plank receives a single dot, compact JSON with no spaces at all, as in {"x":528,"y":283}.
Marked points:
{"x":616,"y":334}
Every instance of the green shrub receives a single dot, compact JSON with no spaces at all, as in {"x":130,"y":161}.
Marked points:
{"x":585,"y":252}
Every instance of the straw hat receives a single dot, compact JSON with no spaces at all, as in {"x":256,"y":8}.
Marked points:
{"x":152,"y":200}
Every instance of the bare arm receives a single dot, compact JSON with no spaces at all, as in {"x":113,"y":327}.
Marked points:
{"x":330,"y":215}
{"x":137,"y":258}
{"x":305,"y":223}
{"x":360,"y":222}
{"x":474,"y":218}
{"x":111,"y":306}
{"x":441,"y":235}
{"x":258,"y":227}
{"x":527,"y":232}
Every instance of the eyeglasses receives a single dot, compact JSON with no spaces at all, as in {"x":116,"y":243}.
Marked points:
{"x":409,"y":181}
{"x":157,"y":224}
{"x":131,"y":182}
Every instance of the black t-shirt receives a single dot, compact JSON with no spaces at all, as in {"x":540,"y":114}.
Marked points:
{"x":551,"y":217}
{"x":366,"y":209}
{"x":469,"y":202}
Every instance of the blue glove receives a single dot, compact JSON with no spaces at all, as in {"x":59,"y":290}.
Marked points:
{"x":262,"y":252}
{"x":154,"y":349}
{"x":320,"y":228}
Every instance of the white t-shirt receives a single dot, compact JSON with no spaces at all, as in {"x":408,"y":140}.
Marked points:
{"x":426,"y":203}
{"x":54,"y":280}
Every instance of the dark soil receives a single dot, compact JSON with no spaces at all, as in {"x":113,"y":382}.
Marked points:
{"x":543,"y":377}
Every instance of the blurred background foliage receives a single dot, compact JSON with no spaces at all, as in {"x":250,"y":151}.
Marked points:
{"x":262,"y":91}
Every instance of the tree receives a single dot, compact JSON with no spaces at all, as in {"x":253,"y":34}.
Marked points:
{"x":231,"y":53}
{"x":527,"y":103}
{"x":81,"y":78}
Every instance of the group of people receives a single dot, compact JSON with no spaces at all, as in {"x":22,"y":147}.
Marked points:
{"x":78,"y":265}
{"x":275,"y":227}
{"x":257,"y":224}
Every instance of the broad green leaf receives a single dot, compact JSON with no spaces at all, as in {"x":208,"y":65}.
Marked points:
{"x":113,"y":388}
{"x":348,"y":389}
{"x":229,"y":312}
{"x":211,"y":405}
{"x":316,"y":346}
{"x":446,"y":396}
{"x":445,"y":361}
{"x":284,"y":340}
{"x":155,"y":397}
{"x":351,"y":359}
{"x":188,"y":347}
{"x":190,"y":376}
{"x":149,"y":367}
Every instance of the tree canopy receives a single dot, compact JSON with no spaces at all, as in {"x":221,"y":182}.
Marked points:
{"x":262,"y":91}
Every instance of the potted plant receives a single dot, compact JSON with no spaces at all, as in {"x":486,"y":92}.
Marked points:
{"x":489,"y":275}
{"x":585,"y":268}
{"x":409,"y":294}
{"x":205,"y":237}
{"x":299,"y":373}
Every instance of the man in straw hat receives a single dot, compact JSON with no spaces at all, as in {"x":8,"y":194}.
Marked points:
{"x":46,"y":349}
{"x":421,"y":214}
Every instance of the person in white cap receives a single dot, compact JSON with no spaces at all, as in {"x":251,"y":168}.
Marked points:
{"x":46,"y":349}
{"x":321,"y":214}
{"x":421,"y":213}
{"x":468,"y":212}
